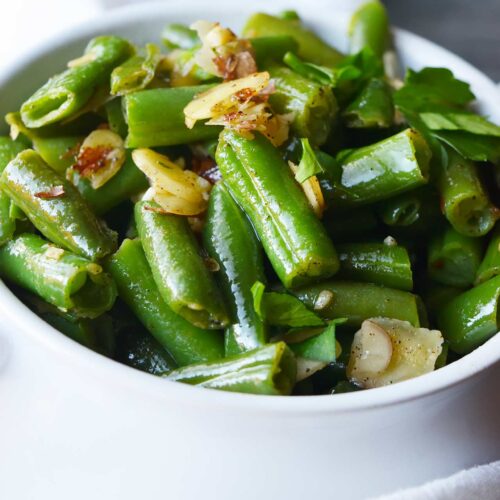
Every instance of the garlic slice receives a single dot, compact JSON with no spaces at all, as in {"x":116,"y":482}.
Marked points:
{"x":385,"y":351}
{"x":218,"y":100}
{"x":177,"y":191}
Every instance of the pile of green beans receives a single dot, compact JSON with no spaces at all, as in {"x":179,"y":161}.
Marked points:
{"x":262,"y":291}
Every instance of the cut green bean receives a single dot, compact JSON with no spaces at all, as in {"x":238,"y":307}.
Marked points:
{"x":272,"y":49}
{"x":359,"y":301}
{"x":464,"y":201}
{"x":262,"y":184}
{"x":230,"y":240}
{"x":369,"y":27}
{"x":156,"y":118}
{"x":311,"y":47}
{"x":66,"y":93}
{"x":471,"y":318}
{"x":55,"y":207}
{"x":8,"y":151}
{"x":267,"y":370}
{"x":376,"y":263}
{"x":490,"y":265}
{"x":387,"y":168}
{"x":185,"y":342}
{"x":373,"y":107}
{"x":63,"y":279}
{"x":313,"y":105}
{"x":181,"y":275}
{"x":454,"y":258}
{"x":116,"y":120}
{"x":136,"y":73}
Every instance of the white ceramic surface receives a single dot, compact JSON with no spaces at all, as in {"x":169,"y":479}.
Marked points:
{"x":76,"y":425}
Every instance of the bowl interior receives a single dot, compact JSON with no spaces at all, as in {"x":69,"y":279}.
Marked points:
{"x":143,"y":23}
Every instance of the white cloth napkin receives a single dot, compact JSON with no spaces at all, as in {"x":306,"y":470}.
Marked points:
{"x":481,"y":483}
{"x":26,"y":23}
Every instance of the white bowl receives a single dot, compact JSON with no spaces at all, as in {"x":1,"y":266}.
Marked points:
{"x":74,"y":424}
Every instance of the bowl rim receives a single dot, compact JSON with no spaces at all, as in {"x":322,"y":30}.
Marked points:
{"x":36,"y":330}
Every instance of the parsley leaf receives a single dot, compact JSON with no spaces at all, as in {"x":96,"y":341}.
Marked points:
{"x":320,"y":346}
{"x":432,"y":88}
{"x":282,"y":309}
{"x":467,"y":122}
{"x":470,"y":146}
{"x":309,"y":164}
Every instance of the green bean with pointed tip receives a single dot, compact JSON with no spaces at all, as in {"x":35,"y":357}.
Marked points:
{"x":369,"y":27}
{"x":230,"y":239}
{"x":270,"y":370}
{"x":66,"y":93}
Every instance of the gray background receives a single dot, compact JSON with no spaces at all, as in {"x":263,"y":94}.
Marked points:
{"x":470,"y":28}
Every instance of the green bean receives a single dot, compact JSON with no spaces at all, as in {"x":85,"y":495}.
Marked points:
{"x":59,"y":153}
{"x":156,"y":118}
{"x":359,"y":301}
{"x":63,"y":279}
{"x":66,"y":93}
{"x":137,"y":288}
{"x":181,"y":275}
{"x":267,"y":370}
{"x":139,"y":349}
{"x":55,"y":207}
{"x":454,"y":258}
{"x":490,"y":265}
{"x":437,"y":296}
{"x":128,"y":182}
{"x":179,"y":36}
{"x":464,"y":201}
{"x":373,"y":107}
{"x":471,"y":318}
{"x":262,"y":184}
{"x":230,"y":240}
{"x":268,"y":49}
{"x":135,"y":73}
{"x":313,"y":105}
{"x":311,"y":47}
{"x":8,"y":151}
{"x":410,"y":208}
{"x":387,"y":168}
{"x":369,"y":27}
{"x":376,"y":263}
{"x":116,"y":120}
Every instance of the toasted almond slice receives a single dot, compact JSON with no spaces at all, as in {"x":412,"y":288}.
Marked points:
{"x":101,"y":156}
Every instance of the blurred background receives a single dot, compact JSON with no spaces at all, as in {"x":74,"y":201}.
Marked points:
{"x":469,"y":28}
